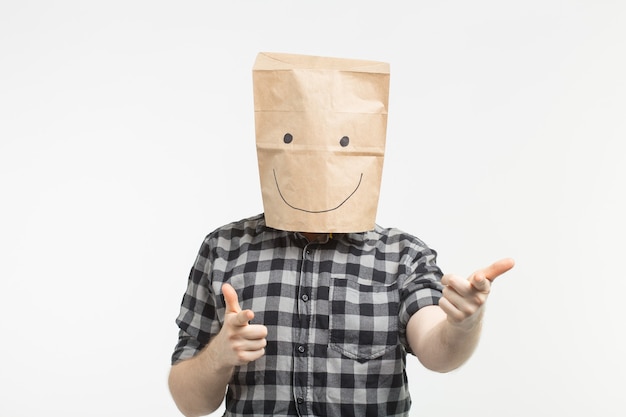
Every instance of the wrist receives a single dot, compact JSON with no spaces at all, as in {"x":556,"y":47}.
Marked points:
{"x":213,"y":358}
{"x":466,"y":326}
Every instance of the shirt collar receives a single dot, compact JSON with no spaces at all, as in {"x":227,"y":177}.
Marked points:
{"x":356,"y":237}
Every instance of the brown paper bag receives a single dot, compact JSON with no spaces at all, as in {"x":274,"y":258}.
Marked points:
{"x":320,"y":132}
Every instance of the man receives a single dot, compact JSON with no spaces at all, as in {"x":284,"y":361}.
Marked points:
{"x":310,"y":308}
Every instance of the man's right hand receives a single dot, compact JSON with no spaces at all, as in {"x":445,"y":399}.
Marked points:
{"x":199,"y":383}
{"x":239,"y":342}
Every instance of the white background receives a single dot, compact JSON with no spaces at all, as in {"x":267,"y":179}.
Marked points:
{"x":126,"y":135}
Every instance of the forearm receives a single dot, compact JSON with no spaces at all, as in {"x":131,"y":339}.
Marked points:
{"x":438,"y":344}
{"x":198,"y":384}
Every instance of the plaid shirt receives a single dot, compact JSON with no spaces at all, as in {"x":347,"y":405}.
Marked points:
{"x":336,"y":314}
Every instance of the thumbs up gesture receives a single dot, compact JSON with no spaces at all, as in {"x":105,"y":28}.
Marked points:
{"x":463,"y":299}
{"x":239,"y":342}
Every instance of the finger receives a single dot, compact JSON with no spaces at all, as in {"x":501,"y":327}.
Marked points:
{"x":452,"y":280}
{"x":451,"y":310}
{"x":231,"y":299}
{"x":457,"y":283}
{"x":465,"y":303}
{"x":496,"y":269}
{"x":255,"y":332}
{"x":480,"y":282}
{"x":243,"y":317}
{"x":247,"y":356}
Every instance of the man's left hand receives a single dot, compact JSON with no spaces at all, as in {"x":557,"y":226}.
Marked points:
{"x":464,"y":299}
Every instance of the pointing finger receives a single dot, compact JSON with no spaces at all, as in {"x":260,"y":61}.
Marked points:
{"x":496,"y":269}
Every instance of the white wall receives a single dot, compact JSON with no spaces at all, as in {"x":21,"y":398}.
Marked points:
{"x":126,"y":135}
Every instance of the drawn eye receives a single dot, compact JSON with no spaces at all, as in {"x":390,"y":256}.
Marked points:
{"x":344,"y":141}
{"x":288,"y":138}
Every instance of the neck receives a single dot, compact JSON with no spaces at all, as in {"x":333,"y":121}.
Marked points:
{"x":314,"y":237}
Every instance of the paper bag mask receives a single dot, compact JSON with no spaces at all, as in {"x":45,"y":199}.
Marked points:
{"x":320,"y":132}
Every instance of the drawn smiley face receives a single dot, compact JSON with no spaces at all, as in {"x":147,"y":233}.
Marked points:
{"x":344,"y":142}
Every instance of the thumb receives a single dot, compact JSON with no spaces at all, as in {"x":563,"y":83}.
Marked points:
{"x":480,"y":282}
{"x":231,"y":299}
{"x":232,"y":305}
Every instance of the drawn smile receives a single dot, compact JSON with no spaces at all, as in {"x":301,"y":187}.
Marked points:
{"x":316,"y":211}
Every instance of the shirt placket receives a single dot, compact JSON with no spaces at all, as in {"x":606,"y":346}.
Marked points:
{"x":302,"y":371}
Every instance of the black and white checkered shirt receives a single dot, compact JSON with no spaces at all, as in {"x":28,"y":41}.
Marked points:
{"x":336,"y":314}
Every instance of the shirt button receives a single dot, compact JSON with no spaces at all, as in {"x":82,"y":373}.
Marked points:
{"x":301,"y":349}
{"x":305,"y":298}
{"x":300,"y":400}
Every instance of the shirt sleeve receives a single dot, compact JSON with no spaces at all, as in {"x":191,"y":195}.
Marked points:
{"x":197,"y":321}
{"x":421,"y":286}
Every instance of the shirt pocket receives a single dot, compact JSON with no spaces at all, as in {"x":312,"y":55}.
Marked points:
{"x":363,"y":317}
